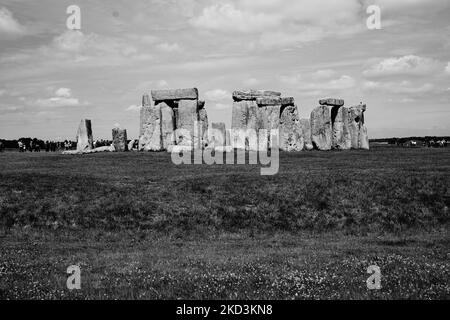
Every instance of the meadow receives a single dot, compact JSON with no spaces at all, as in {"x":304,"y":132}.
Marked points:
{"x":141,"y":227}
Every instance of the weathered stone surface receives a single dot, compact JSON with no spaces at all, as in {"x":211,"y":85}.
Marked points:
{"x":321,"y":128}
{"x":167,"y":125}
{"x":357,"y":128}
{"x":331,"y":102}
{"x":150,"y":138}
{"x":291,"y":135}
{"x":274,"y":101}
{"x":84,"y":136}
{"x":86,"y":151}
{"x":268,"y":118}
{"x":341,"y":131}
{"x":133,"y":145}
{"x":119,"y":137}
{"x":244,"y":117}
{"x":176,"y":94}
{"x":146,"y":100}
{"x":305,"y":126}
{"x":187,"y":116}
{"x":239,"y":95}
{"x":203,"y":130}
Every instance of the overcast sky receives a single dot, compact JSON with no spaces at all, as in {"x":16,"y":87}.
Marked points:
{"x":51,"y":77}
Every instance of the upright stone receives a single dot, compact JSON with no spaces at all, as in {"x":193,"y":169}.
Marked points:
{"x":187,"y":117}
{"x":268,"y":118}
{"x":167,"y":125}
{"x":150,"y":138}
{"x":119,"y":137}
{"x":203,"y":130}
{"x":244,"y":125}
{"x":357,"y":128}
{"x":291,"y":135}
{"x":305,"y":125}
{"x":341,"y":133}
{"x":84,"y":136}
{"x":321,"y":128}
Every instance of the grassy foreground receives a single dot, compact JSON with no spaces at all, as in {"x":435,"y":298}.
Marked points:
{"x":141,"y":227}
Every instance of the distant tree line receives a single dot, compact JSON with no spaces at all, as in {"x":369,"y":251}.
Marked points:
{"x":400,"y":141}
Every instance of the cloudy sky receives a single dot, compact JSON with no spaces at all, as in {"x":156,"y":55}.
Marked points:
{"x":51,"y":77}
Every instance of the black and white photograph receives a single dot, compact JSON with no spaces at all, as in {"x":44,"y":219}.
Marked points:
{"x":225,"y":155}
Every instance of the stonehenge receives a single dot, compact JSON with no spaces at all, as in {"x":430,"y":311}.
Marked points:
{"x":176,"y":120}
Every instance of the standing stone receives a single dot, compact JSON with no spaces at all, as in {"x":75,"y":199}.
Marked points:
{"x":187,"y":117}
{"x":150,"y":138}
{"x":239,"y":119}
{"x":341,"y":131}
{"x":167,"y":125}
{"x":305,"y":125}
{"x":268,"y":118}
{"x":321,"y":128}
{"x":291,"y":136}
{"x":84,"y":136}
{"x":357,"y":128}
{"x":119,"y":137}
{"x":203,"y":119}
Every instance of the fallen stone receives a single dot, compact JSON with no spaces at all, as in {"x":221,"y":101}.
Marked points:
{"x":119,"y":137}
{"x":321,"y":128}
{"x":110,"y":148}
{"x":291,"y":137}
{"x":331,"y":102}
{"x":253,"y":94}
{"x":84,"y":136}
{"x":176,"y":94}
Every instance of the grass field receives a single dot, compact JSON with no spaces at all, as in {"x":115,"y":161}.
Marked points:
{"x":141,"y":227}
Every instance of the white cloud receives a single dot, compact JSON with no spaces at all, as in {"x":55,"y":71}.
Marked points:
{"x":62,"y":98}
{"x":133,"y":108}
{"x":226,"y":17}
{"x":63,"y":93}
{"x":169,"y":47}
{"x":319,"y":86}
{"x":406,"y":65}
{"x":447,"y":68}
{"x":8,"y":24}
{"x":217,"y":95}
{"x":402,"y":87}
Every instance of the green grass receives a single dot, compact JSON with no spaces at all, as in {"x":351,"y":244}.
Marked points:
{"x":141,"y":227}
